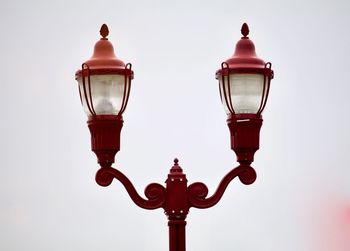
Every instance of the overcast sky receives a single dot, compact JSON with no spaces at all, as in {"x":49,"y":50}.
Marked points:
{"x":48,"y":196}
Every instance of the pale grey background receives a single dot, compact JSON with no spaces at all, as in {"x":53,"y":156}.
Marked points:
{"x":48,"y":197}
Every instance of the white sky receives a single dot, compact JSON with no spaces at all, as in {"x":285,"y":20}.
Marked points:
{"x":48,"y":197}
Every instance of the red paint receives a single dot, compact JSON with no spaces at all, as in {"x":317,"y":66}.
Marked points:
{"x":176,"y":198}
{"x":244,"y":128}
{"x":105,"y":137}
{"x":104,"y":60}
{"x":176,"y":207}
{"x":244,"y":59}
{"x":244,"y":137}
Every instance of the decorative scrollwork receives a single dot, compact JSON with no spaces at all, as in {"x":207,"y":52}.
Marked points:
{"x":103,"y":177}
{"x":197,"y":192}
{"x":154,"y":192}
{"x":248,"y":176}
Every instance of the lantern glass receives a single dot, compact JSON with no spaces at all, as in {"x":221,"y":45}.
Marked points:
{"x":244,"y":92}
{"x":107,"y":94}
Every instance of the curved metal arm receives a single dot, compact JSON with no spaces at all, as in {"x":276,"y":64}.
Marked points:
{"x":154,"y":192}
{"x":197,"y":192}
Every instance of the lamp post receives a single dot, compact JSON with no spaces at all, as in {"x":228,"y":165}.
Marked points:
{"x":104,"y":86}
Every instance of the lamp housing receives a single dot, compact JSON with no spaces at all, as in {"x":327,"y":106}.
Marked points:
{"x":104,"y":83}
{"x":244,"y":84}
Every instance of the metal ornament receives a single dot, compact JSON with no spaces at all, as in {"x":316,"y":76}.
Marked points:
{"x":177,"y":197}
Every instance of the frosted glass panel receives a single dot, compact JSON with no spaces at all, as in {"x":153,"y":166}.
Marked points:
{"x":246,"y":92}
{"x":107,"y":93}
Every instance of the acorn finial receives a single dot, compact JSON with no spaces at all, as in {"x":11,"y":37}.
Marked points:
{"x":176,"y":161}
{"x":104,"y":31}
{"x":245,"y":30}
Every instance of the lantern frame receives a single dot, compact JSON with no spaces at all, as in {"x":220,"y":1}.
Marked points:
{"x":226,"y":92}
{"x":105,"y":129}
{"x":86,"y":72}
{"x":244,"y":127}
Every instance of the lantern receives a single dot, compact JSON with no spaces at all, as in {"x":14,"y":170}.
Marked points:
{"x":244,"y":83}
{"x":104,"y":87}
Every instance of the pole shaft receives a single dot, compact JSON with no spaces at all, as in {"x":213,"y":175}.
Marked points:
{"x":177,"y":240}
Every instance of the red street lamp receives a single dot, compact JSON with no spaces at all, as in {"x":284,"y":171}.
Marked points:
{"x":244,"y":83}
{"x":104,"y":86}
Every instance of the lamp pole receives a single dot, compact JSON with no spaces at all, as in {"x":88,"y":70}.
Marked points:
{"x":104,"y":83}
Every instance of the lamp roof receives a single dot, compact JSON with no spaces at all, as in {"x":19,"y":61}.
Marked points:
{"x":245,"y":56}
{"x":103,"y":56}
{"x":104,"y":60}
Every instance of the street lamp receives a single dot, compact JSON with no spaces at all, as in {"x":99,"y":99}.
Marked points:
{"x":244,"y":83}
{"x":104,"y":86}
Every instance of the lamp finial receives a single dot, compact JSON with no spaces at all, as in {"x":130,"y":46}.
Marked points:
{"x":245,"y":30}
{"x":176,"y":168}
{"x":104,"y":31}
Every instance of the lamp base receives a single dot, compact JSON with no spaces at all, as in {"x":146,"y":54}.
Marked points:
{"x":105,"y":137}
{"x":245,"y":133}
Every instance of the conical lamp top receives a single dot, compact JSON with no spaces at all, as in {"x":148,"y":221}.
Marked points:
{"x":103,"y":56}
{"x":244,"y":55}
